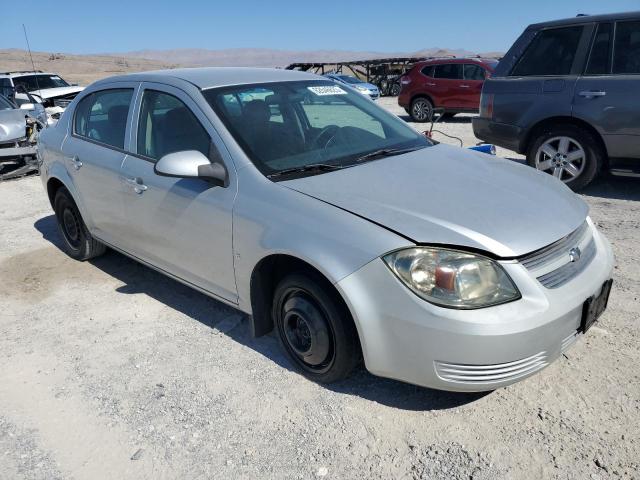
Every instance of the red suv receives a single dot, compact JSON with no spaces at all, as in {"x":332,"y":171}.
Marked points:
{"x":452,"y":84}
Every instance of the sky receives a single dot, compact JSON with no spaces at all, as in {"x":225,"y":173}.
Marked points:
{"x":115,"y":26}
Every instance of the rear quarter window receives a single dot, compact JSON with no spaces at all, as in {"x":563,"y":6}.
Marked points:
{"x":448,"y":70}
{"x":551,"y":52}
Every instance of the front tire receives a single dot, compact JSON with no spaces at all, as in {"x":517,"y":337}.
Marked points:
{"x":569,"y":153}
{"x":315,"y":328}
{"x":77,"y":242}
{"x":421,"y":110}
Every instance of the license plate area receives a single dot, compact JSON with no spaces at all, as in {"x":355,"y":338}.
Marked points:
{"x":594,"y":306}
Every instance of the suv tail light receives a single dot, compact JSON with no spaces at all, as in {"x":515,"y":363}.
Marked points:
{"x":486,"y":105}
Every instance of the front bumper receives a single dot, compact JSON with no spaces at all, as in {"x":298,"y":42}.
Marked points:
{"x":502,"y":134}
{"x":12,"y":152}
{"x":406,"y":338}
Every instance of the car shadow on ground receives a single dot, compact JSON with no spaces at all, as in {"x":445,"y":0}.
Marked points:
{"x":137,"y":278}
{"x":614,"y":187}
{"x":460,"y":120}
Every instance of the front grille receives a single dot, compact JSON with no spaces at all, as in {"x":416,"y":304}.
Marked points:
{"x":500,"y":372}
{"x":546,"y":255}
{"x":554,"y":265}
{"x":562,"y":275}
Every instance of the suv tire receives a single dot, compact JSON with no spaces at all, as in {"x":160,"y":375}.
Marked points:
{"x":315,"y":328}
{"x":77,"y":242}
{"x":568,"y":152}
{"x":421,"y":110}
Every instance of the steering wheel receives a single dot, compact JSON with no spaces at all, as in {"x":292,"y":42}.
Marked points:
{"x":325,"y":136}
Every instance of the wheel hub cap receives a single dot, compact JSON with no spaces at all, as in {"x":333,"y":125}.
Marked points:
{"x":562,"y":157}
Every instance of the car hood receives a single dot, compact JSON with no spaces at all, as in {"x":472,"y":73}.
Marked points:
{"x":12,"y":125}
{"x":46,"y":93}
{"x":457,"y":197}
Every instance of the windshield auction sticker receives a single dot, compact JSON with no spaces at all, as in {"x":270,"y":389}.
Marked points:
{"x":327,"y":90}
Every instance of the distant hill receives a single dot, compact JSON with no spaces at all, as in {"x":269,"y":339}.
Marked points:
{"x":80,"y":69}
{"x":262,"y":57}
{"x":84,"y":69}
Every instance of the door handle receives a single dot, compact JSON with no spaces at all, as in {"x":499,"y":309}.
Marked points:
{"x":592,"y":93}
{"x":431,"y":84}
{"x":464,"y":86}
{"x":75,"y":161}
{"x":136,"y":184}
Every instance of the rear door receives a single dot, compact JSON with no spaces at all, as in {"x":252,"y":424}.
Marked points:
{"x":448,"y":78}
{"x":474,"y":76}
{"x":607,"y":96}
{"x":180,"y":225}
{"x":94,"y":152}
{"x":541,"y":82}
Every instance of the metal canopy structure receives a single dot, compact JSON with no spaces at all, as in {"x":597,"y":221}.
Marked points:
{"x":385,"y":73}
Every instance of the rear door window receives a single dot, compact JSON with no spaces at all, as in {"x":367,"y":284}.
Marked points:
{"x":626,"y":49}
{"x":473,"y":72}
{"x":551,"y":52}
{"x":600,"y":59}
{"x":102,"y":116}
{"x":167,"y":125}
{"x":449,"y":70}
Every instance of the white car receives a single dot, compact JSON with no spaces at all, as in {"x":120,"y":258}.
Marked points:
{"x":48,"y":89}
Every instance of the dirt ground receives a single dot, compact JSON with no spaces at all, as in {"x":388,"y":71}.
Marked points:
{"x":108,"y":370}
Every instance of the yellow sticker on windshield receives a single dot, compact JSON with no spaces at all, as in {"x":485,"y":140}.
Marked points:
{"x":327,"y":90}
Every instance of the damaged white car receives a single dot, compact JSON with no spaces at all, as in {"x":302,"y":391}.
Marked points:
{"x":49,"y":89}
{"x":19,"y":129}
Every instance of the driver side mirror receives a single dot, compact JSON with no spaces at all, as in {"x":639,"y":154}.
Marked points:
{"x":192,"y":164}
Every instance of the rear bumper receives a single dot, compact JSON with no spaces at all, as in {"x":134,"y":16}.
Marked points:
{"x":501,"y":134}
{"x":406,"y":338}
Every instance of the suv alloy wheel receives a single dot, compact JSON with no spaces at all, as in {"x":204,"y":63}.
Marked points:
{"x":567,"y":152}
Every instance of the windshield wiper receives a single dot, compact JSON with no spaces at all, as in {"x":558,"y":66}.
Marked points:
{"x":385,"y":152}
{"x":313,"y":167}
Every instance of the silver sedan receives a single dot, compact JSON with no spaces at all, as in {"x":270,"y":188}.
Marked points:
{"x":332,"y":222}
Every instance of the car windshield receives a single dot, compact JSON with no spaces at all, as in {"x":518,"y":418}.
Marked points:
{"x":350,"y":79}
{"x":5,"y":104}
{"x":33,"y":83}
{"x":288,"y":128}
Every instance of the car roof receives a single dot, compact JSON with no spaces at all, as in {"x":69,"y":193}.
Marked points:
{"x":444,"y":60}
{"x":210,"y":77}
{"x":24,"y":73}
{"x":582,"y":19}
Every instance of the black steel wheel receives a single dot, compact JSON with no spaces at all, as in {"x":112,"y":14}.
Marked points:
{"x":315,"y":329}
{"x":77,"y":241}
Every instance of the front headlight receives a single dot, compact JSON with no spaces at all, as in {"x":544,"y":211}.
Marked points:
{"x":361,"y":88}
{"x":452,"y":279}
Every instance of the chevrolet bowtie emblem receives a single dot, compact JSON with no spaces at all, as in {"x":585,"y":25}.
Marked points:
{"x":574,"y":254}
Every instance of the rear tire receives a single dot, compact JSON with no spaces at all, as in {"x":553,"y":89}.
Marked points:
{"x":421,"y":110}
{"x":77,"y":242}
{"x":315,"y":328}
{"x":394,"y":91}
{"x":568,"y":152}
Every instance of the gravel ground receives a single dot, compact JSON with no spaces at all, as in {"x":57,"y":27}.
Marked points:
{"x":110,"y":370}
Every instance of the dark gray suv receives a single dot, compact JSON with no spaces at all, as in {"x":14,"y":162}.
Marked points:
{"x":567,"y":94}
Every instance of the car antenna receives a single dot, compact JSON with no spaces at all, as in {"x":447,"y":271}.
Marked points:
{"x":33,"y":66}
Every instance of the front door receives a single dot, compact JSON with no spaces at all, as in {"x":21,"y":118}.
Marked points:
{"x":607,"y":95}
{"x":94,"y":152}
{"x":180,"y":225}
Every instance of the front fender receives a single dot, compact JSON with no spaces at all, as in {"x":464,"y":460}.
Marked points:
{"x":272,"y":219}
